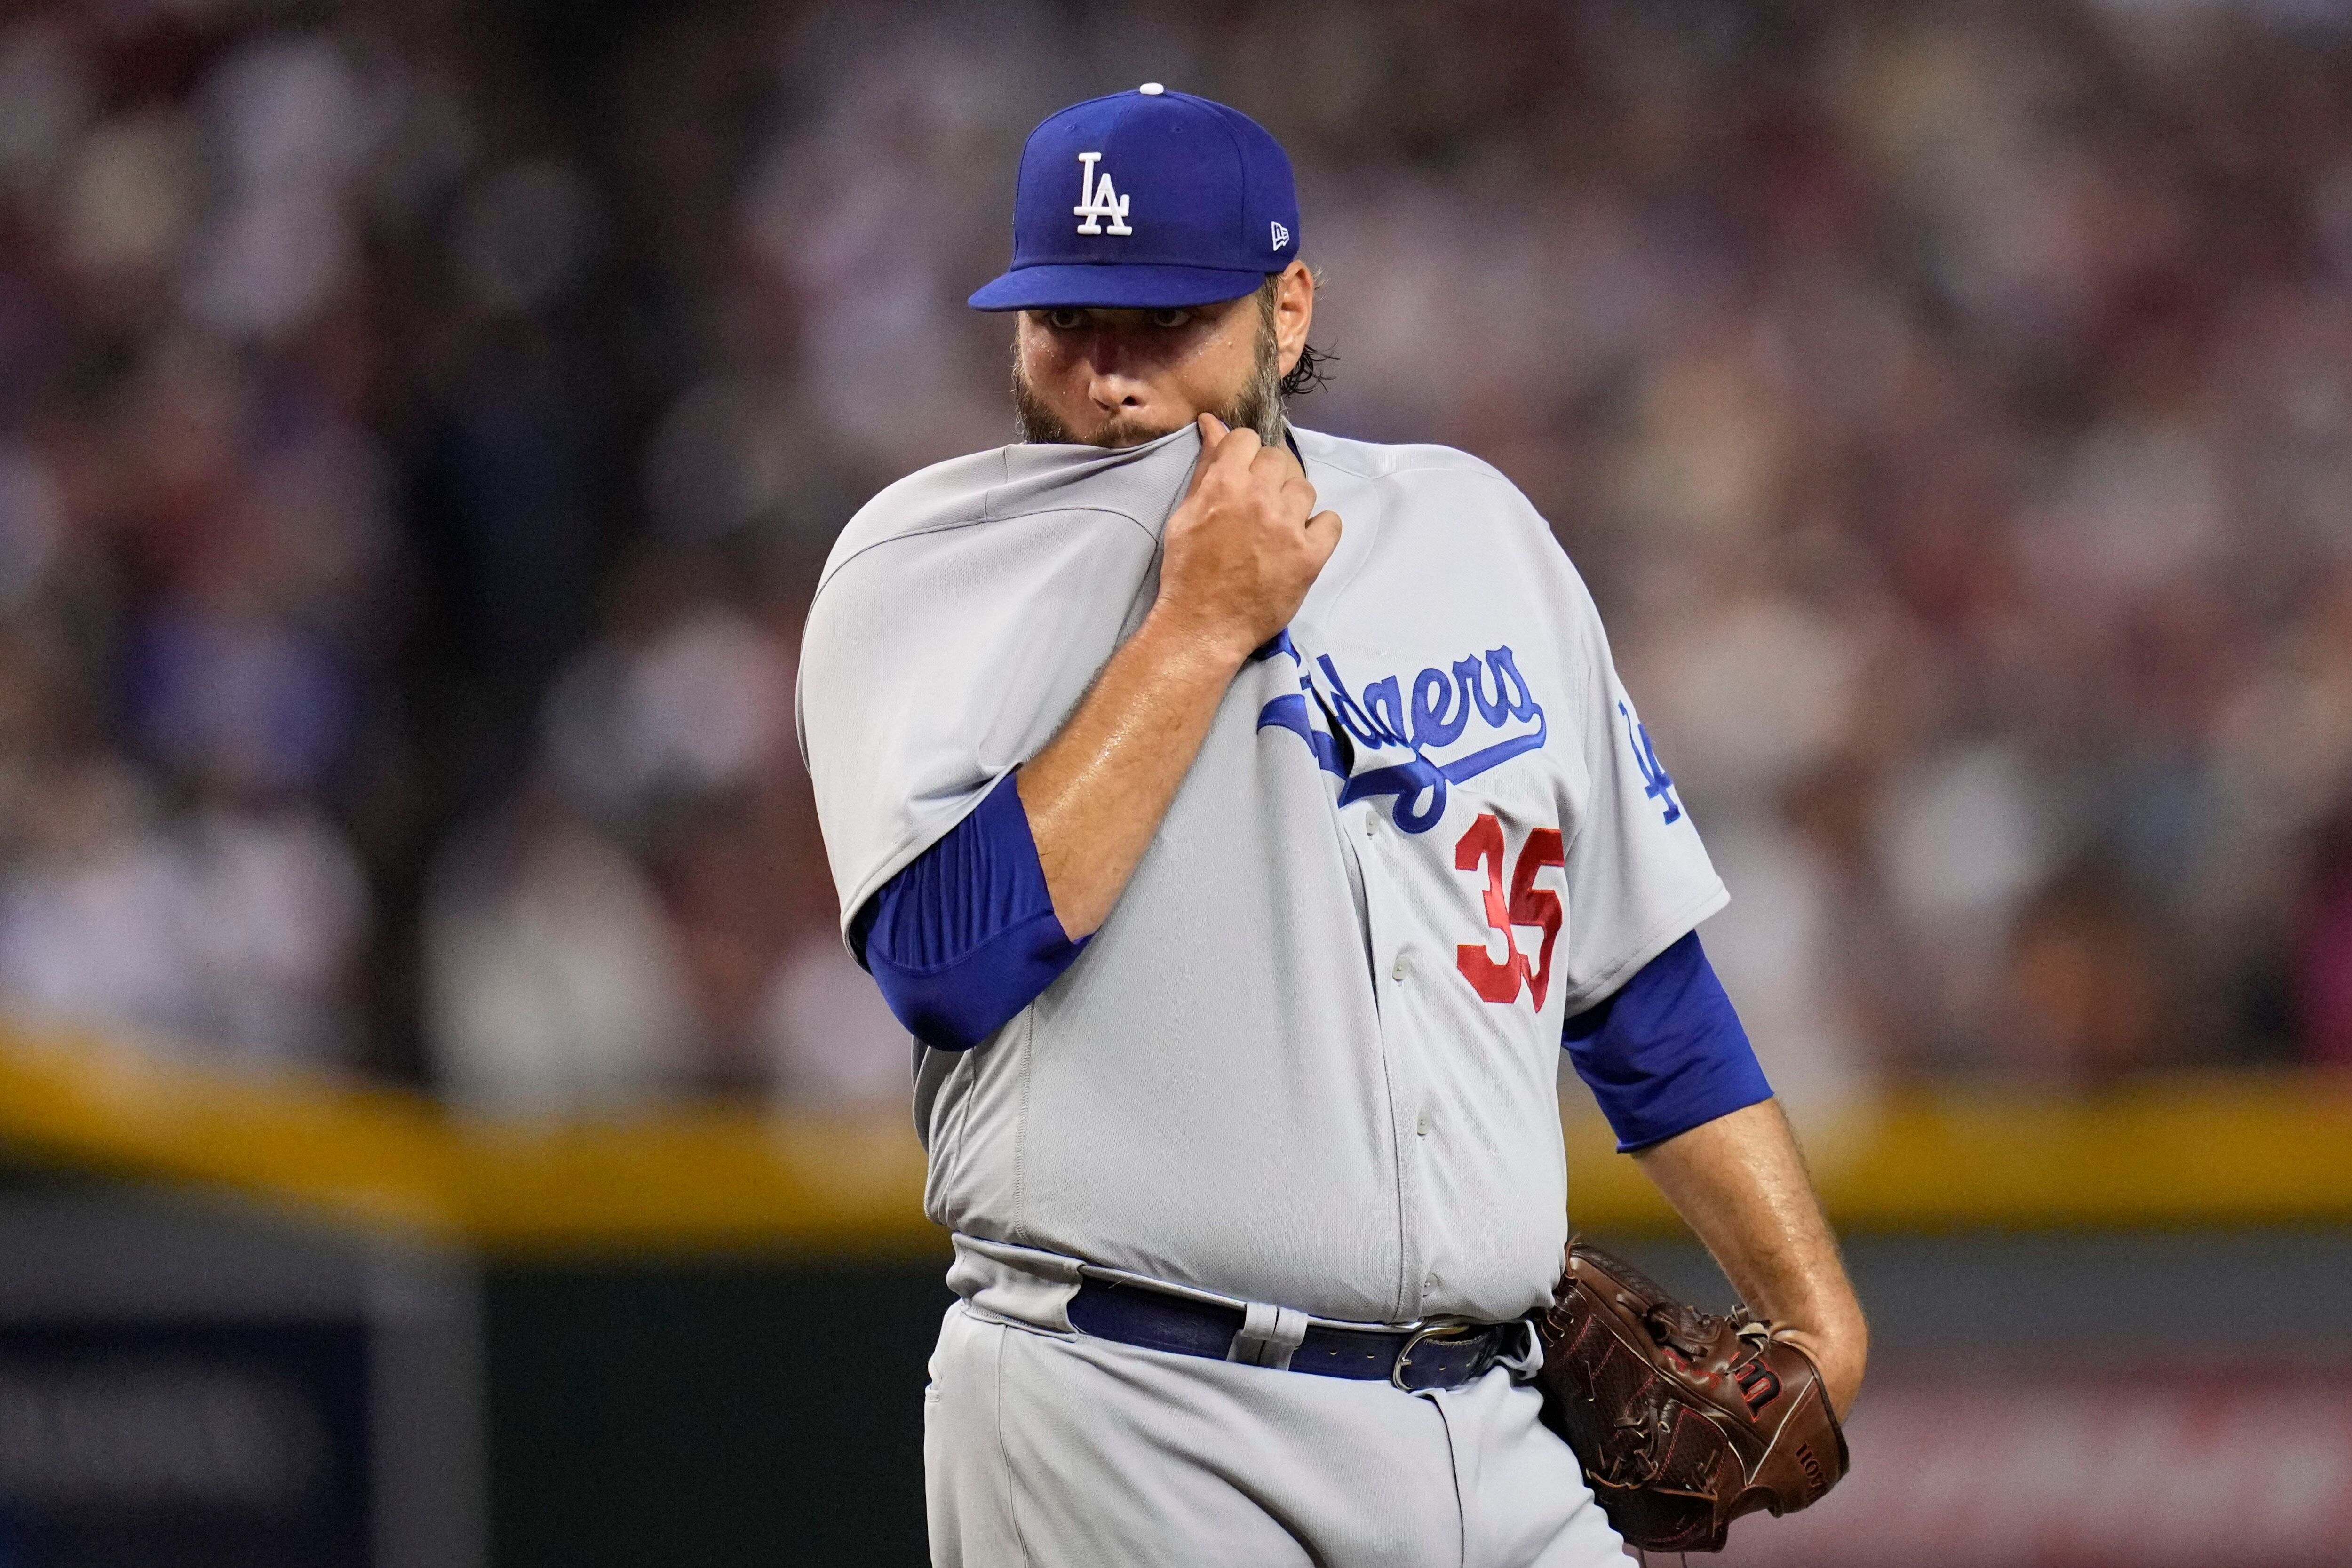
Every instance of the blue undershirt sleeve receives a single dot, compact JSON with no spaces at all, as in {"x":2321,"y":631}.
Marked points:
{"x":1665,"y":1052}
{"x":965,"y":936}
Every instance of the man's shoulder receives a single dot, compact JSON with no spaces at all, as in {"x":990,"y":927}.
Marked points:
{"x":942,"y":491}
{"x":1396,"y":462}
{"x":1418,"y":476}
{"x":1138,"y":484}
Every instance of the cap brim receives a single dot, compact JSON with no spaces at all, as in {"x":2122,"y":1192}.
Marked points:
{"x":1112,"y":286}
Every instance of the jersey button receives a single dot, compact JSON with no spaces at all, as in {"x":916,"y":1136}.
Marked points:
{"x":1401,"y":968}
{"x":1371,"y":823}
{"x":1422,"y":1126}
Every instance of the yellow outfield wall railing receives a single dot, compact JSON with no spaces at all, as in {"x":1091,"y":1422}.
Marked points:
{"x":2207,"y":1149}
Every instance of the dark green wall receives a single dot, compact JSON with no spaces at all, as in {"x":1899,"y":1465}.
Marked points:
{"x":702,"y":1414}
{"x":708,"y":1414}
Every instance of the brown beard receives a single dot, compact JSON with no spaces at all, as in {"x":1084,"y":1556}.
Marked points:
{"x":1257,"y":406}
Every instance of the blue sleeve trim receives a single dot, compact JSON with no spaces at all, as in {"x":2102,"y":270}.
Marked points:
{"x":1665,"y":1052}
{"x":965,"y":936}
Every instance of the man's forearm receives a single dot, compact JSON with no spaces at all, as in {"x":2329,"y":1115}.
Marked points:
{"x":1740,"y":1183}
{"x":1094,"y":795}
{"x":1239,"y":554}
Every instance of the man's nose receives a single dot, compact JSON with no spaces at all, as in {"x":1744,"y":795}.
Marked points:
{"x":1110,"y":366}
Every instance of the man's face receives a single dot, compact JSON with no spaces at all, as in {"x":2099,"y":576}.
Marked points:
{"x":1120,"y":378}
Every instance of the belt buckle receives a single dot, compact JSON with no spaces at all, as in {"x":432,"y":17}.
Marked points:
{"x":1443,"y":1333}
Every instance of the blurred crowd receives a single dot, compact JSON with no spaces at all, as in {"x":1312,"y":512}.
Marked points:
{"x":422,"y":422}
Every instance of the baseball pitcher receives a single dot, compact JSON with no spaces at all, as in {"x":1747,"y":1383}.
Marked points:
{"x":1243,"y":819}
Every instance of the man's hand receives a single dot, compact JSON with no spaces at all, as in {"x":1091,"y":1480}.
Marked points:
{"x":1740,"y":1183}
{"x":1240,"y":552}
{"x":1241,"y":548}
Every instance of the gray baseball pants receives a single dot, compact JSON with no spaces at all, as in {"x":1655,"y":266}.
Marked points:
{"x":1046,"y":1449}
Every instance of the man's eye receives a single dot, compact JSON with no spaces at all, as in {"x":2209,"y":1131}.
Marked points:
{"x":1170,"y":318}
{"x":1065,"y":321}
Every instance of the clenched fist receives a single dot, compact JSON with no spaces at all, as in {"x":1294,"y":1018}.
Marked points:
{"x":1244,"y":545}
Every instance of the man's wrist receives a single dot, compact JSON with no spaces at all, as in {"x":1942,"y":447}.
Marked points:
{"x":1194,"y":644}
{"x":1839,"y":1357}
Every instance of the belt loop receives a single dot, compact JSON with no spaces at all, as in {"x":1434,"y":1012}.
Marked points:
{"x":1268,"y":1336}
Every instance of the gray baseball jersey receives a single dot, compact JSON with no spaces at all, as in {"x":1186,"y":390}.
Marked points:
{"x":1311,"y":1059}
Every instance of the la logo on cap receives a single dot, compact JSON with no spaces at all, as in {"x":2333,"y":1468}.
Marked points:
{"x":1097,"y":199}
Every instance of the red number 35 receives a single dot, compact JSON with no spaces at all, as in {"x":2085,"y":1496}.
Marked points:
{"x":1498,"y":980}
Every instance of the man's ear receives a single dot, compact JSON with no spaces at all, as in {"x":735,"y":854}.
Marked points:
{"x":1294,"y":314}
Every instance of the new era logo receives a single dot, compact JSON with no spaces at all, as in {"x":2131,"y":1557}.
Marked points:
{"x":1281,"y":237}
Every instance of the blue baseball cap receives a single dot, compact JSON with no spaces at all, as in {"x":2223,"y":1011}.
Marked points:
{"x":1148,"y":199}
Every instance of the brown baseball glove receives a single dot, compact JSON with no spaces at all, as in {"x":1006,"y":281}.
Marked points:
{"x":1683,"y":1420}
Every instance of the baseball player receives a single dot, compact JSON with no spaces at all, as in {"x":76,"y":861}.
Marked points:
{"x":1241,"y":819}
